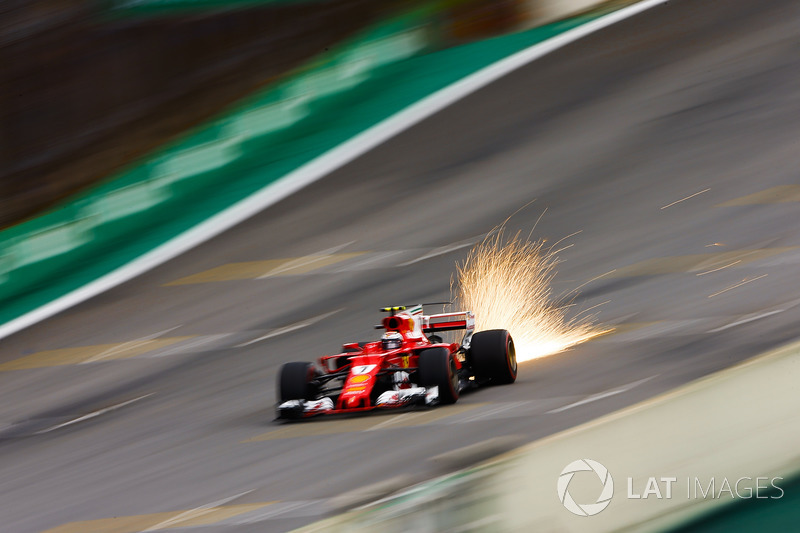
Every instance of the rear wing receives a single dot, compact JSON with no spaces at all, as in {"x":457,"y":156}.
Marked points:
{"x":449,"y":322}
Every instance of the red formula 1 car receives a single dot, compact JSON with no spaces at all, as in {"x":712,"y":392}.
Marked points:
{"x":409,"y":365}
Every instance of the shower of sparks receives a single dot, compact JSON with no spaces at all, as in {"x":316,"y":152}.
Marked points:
{"x":506,"y":283}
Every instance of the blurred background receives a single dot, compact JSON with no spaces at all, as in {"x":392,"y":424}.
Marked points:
{"x":89,"y":87}
{"x":121,"y":120}
{"x":657,"y":155}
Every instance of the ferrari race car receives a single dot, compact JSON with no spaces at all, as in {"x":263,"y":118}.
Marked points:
{"x":409,"y":365}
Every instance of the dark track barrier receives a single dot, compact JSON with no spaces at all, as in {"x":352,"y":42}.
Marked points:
{"x":83,"y":92}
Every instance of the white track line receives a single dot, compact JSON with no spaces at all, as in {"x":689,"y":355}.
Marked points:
{"x":93,"y":414}
{"x":278,"y":509}
{"x":289,"y":328}
{"x":395,"y":419}
{"x":189,"y":344}
{"x":437,"y":252}
{"x":304,"y":261}
{"x":321,"y":166}
{"x":194,"y":513}
{"x":745,"y":320}
{"x":492,"y":412}
{"x":588,"y":400}
{"x":360,"y":264}
{"x":125,"y":346}
{"x":600,"y":396}
{"x":275,"y":333}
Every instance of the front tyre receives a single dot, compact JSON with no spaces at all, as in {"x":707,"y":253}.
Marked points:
{"x":492,"y":356}
{"x":296,"y":381}
{"x":437,"y":368}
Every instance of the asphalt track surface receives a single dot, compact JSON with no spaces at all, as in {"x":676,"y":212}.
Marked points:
{"x":690,"y":97}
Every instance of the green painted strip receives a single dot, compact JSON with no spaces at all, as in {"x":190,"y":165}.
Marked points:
{"x":137,"y":8}
{"x":236,"y":155}
{"x":158,"y":7}
{"x":773,"y":510}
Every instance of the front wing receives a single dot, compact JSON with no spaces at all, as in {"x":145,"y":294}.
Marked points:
{"x":391,"y":399}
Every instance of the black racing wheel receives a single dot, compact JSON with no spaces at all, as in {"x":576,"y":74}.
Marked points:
{"x":492,"y":356}
{"x":437,"y":368}
{"x":296,"y":381}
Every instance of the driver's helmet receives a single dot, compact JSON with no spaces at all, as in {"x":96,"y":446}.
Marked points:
{"x":391,"y":340}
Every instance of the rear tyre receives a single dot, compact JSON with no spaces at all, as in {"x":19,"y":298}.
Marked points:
{"x":492,"y":356}
{"x":437,"y":368}
{"x":296,"y":382}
